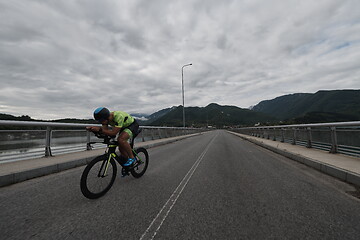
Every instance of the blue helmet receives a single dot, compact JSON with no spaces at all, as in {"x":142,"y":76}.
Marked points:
{"x":101,"y":114}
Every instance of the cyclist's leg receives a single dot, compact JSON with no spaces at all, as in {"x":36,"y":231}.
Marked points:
{"x":123,"y":153}
{"x":124,"y":145}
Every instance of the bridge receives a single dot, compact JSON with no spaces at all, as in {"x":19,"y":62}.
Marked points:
{"x":253,"y":183}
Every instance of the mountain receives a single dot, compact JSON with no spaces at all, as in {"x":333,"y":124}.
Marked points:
{"x":213,"y":115}
{"x":75,"y":120}
{"x":153,"y":117}
{"x":11,"y":117}
{"x":322,"y":117}
{"x":281,"y":107}
{"x":146,"y":119}
{"x":322,"y":106}
{"x":140,"y":116}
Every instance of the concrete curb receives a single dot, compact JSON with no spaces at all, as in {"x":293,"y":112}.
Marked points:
{"x":17,"y":177}
{"x":328,"y":169}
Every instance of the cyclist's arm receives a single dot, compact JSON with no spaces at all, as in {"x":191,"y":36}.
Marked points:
{"x":110,"y":132}
{"x":105,"y":130}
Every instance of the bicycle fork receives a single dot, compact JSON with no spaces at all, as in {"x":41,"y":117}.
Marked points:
{"x":105,"y":164}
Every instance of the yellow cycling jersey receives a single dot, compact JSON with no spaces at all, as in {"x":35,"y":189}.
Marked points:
{"x":121,"y":119}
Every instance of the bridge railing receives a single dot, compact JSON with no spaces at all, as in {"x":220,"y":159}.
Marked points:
{"x":37,"y":139}
{"x":339,"y":137}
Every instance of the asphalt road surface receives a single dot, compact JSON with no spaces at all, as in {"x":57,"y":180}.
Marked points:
{"x":212,"y":186}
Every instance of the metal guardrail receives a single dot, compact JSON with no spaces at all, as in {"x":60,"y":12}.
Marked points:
{"x":338,"y":137}
{"x":53,"y":140}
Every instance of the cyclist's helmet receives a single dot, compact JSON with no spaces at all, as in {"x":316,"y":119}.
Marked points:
{"x":101,"y":114}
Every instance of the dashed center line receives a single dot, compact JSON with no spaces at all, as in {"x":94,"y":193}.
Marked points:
{"x":158,"y":221}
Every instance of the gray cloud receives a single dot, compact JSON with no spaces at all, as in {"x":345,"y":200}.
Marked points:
{"x":65,"y":58}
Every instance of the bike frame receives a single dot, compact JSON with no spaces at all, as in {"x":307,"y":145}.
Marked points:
{"x":112,"y":154}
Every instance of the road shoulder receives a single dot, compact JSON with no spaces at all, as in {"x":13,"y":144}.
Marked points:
{"x":343,"y":167}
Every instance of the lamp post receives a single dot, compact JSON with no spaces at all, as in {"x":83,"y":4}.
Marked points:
{"x":182,"y":81}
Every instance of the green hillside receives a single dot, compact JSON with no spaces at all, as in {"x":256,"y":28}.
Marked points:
{"x":213,"y":115}
{"x":321,"y":117}
{"x":340,"y":104}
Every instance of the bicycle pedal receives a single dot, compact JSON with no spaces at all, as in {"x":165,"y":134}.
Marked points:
{"x":134,"y":165}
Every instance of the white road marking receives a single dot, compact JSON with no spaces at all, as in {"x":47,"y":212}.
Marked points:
{"x":158,"y":221}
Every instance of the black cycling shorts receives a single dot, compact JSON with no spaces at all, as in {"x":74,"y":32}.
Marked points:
{"x":132,"y":129}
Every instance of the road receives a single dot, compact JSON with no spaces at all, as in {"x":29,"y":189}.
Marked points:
{"x":212,"y":186}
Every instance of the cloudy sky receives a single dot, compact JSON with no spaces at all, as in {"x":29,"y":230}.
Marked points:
{"x":65,"y":58}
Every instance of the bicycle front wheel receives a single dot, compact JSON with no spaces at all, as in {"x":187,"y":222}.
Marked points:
{"x":98,"y":177}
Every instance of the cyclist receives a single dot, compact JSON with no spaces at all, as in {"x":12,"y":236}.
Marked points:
{"x":123,"y":125}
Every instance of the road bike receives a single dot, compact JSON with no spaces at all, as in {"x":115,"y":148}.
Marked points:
{"x":99,"y":175}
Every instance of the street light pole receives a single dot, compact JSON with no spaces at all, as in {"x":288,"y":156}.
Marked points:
{"x":182,"y":81}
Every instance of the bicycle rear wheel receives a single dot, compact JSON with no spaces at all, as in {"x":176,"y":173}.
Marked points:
{"x":142,"y":162}
{"x":98,"y":178}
